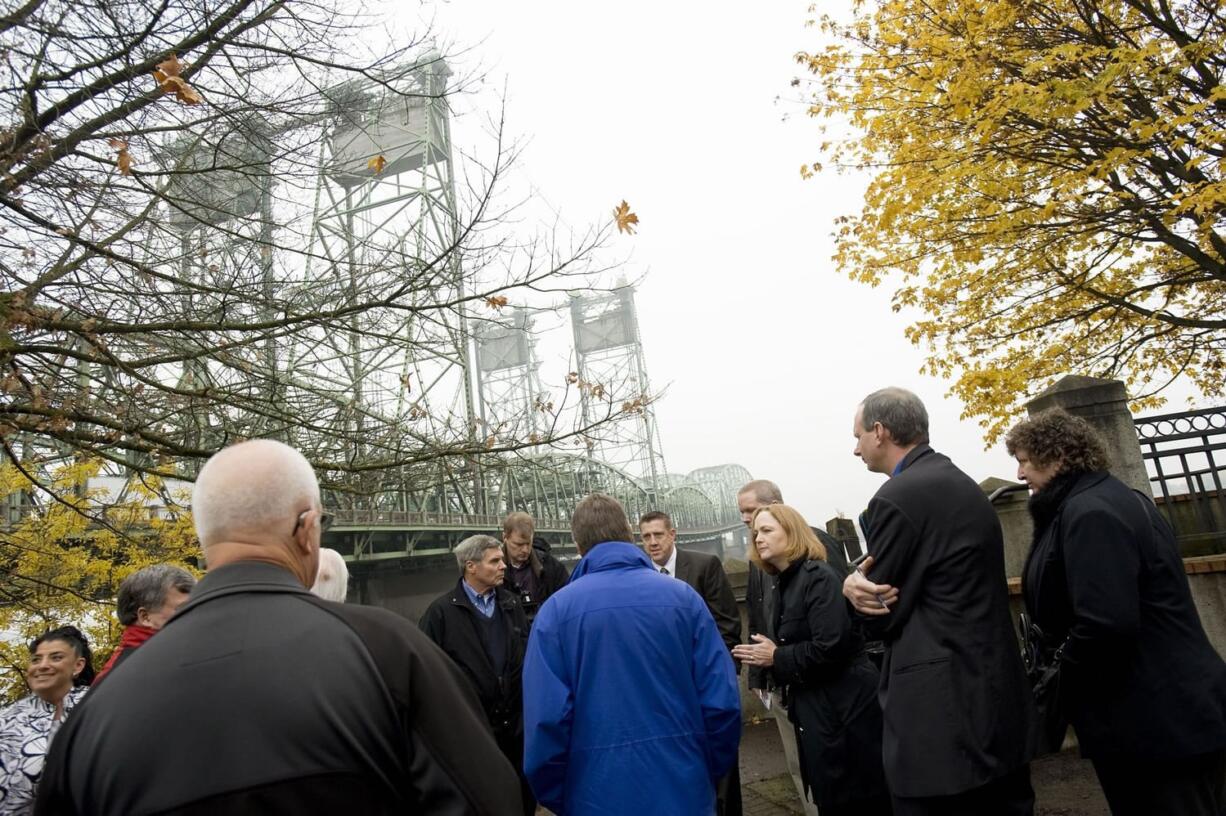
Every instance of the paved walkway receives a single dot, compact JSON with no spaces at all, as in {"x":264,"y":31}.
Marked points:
{"x":1064,"y":784}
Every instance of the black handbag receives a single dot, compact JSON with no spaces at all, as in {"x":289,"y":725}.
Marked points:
{"x":1043,"y":671}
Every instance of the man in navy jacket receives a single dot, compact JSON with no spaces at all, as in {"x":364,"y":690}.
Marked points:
{"x":631,"y":702}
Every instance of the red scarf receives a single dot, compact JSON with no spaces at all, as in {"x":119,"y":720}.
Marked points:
{"x":133,"y":636}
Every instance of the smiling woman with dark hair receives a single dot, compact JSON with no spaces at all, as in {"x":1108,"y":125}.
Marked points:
{"x":1104,"y":581}
{"x":58,"y":677}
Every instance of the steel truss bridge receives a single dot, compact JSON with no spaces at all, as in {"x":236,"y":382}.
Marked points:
{"x":702,"y":505}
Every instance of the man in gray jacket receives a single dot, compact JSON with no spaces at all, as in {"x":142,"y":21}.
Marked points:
{"x":259,"y":697}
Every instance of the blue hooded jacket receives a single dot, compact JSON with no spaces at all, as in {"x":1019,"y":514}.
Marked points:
{"x":630,"y":696}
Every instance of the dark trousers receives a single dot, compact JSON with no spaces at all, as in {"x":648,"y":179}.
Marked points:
{"x":1194,"y":786}
{"x":1009,"y":795}
{"x":877,"y":806}
{"x":728,"y":792}
{"x":512,"y":746}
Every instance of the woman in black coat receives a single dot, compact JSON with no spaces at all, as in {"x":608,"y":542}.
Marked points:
{"x":830,"y":687}
{"x":1140,"y":682}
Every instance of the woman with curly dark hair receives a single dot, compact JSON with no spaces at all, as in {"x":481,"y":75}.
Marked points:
{"x":1104,"y":581}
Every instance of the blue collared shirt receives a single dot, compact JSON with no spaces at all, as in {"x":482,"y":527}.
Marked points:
{"x":484,"y":602}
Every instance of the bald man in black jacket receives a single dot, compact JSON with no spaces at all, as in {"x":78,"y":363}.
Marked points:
{"x":259,"y":697}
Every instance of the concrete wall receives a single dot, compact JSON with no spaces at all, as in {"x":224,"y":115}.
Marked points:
{"x":1207,"y":577}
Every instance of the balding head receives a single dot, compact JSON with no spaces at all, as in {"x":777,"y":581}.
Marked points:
{"x":755,"y":494}
{"x":251,"y":502}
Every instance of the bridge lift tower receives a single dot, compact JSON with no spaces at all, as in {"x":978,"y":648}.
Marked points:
{"x":609,"y":356}
{"x":385,"y":206}
{"x":508,"y":377}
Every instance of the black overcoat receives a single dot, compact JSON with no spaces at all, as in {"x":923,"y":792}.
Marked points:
{"x":1140,"y":678}
{"x":760,"y":599}
{"x":831,"y":687}
{"x":958,"y":711}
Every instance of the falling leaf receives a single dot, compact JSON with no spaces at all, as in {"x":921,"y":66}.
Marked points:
{"x":377,"y":164}
{"x":123,"y":159}
{"x":625,"y":219}
{"x":496,"y":301}
{"x":166,"y":74}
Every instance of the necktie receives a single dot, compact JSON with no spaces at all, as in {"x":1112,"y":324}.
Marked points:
{"x":664,"y":570}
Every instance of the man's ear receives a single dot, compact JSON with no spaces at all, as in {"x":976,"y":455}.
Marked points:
{"x":302,"y":537}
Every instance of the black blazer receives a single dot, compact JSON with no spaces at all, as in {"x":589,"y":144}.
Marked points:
{"x":1140,"y":678}
{"x":957,"y":708}
{"x":706,"y":575}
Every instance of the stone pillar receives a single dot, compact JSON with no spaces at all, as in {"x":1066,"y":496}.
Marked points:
{"x":844,"y":529}
{"x":1009,"y":500}
{"x":1104,"y":404}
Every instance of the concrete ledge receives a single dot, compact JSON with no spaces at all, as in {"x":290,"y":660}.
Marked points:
{"x":1192,"y":566}
{"x":1204,"y":564}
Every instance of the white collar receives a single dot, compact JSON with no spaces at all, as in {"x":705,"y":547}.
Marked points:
{"x":670,"y":565}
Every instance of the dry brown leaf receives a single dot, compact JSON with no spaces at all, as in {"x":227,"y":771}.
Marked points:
{"x":167,"y":77}
{"x":170,"y":67}
{"x":496,"y":301}
{"x":123,"y":159}
{"x":377,"y":164}
{"x":625,"y":219}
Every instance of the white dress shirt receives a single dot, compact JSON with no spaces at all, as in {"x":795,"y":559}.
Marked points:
{"x":670,"y":565}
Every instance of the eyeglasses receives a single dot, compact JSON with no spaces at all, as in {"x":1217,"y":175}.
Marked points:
{"x":325,"y":521}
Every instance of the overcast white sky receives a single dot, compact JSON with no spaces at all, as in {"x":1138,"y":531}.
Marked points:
{"x":763,"y":348}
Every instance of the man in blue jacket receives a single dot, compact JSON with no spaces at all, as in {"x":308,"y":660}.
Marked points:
{"x":630,"y":697}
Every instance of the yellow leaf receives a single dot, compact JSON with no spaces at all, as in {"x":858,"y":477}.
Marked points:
{"x":625,"y":219}
{"x":377,"y":164}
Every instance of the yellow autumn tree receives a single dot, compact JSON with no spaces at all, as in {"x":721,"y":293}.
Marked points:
{"x":66,"y":545}
{"x":1047,"y":186}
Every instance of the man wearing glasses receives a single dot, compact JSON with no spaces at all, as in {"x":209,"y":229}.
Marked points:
{"x":284,"y":702}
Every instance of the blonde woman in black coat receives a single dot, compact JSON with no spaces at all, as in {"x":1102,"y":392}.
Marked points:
{"x":830,"y":687}
{"x":1140,"y":682}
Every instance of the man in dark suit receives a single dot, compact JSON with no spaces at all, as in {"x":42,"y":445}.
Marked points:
{"x":957,"y":738}
{"x":705,"y":573}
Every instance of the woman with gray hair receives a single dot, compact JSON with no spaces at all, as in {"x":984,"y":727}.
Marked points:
{"x":332,"y":579}
{"x":147,"y":600}
{"x":1104,"y":581}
